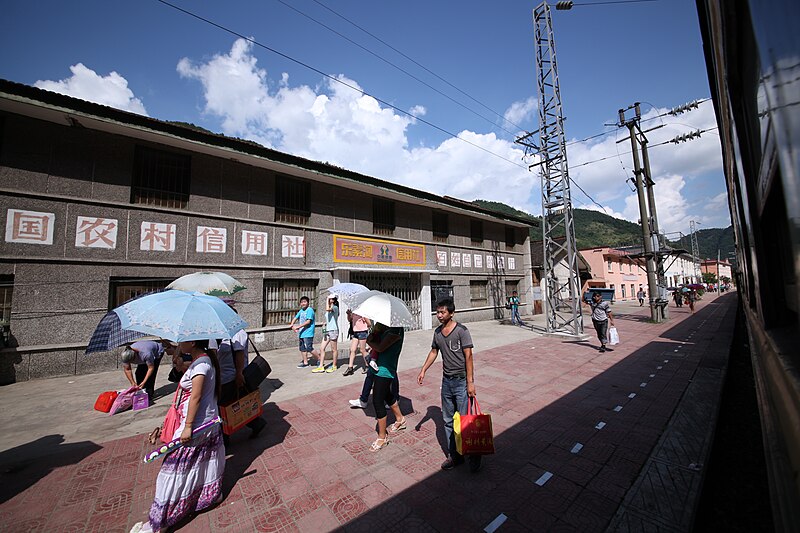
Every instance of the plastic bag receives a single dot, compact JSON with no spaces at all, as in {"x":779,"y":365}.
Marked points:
{"x":613,"y":336}
{"x":123,"y":402}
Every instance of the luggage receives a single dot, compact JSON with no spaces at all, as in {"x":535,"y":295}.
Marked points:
{"x":105,"y":401}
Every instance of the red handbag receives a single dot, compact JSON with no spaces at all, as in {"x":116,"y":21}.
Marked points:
{"x":473,"y":431}
{"x":105,"y":401}
{"x":173,"y":419}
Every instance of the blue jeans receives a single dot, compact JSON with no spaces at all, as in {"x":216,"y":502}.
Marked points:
{"x":515,"y":319}
{"x":369,"y":379}
{"x":454,"y":398}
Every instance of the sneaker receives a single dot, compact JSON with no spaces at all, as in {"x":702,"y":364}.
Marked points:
{"x":451,"y":463}
{"x":474,"y":463}
{"x":302,"y":364}
{"x":602,"y":349}
{"x":318,"y":370}
{"x":358,"y":404}
{"x":349,"y":371}
{"x":331,"y":369}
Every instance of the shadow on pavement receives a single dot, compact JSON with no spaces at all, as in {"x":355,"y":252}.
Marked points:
{"x":588,"y":486}
{"x":24,"y":465}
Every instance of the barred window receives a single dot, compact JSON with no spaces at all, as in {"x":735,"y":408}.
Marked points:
{"x":160,"y":178}
{"x":292,"y":200}
{"x":476,"y":231}
{"x":511,"y":237}
{"x":6,"y":294}
{"x":123,"y":289}
{"x":282,"y":299}
{"x":382,"y":216}
{"x":441,"y":226}
{"x":477,"y":293}
{"x":440,"y":289}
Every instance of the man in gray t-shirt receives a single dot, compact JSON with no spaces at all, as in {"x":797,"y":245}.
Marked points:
{"x":601,"y":314}
{"x":458,"y":380}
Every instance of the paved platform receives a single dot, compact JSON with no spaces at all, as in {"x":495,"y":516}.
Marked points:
{"x":585,"y":442}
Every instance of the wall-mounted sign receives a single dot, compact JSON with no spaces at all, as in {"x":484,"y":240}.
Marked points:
{"x":211,"y":240}
{"x":30,"y":227}
{"x":293,"y":246}
{"x":254,"y":242}
{"x":441,"y":258}
{"x":377,"y":252}
{"x":92,"y":232}
{"x":157,"y":237}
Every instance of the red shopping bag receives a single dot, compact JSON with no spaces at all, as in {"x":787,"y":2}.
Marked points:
{"x":105,"y":401}
{"x":473,"y":431}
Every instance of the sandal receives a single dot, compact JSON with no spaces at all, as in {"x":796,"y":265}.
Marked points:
{"x":398,"y":426}
{"x":152,"y":438}
{"x":378,"y":444}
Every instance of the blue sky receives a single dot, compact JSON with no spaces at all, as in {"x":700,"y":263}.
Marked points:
{"x":149,"y":58}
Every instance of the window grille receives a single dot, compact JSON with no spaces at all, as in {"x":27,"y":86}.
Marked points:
{"x":382,"y":216}
{"x":122,"y":290}
{"x":160,"y":178}
{"x":292,"y":200}
{"x":440,"y":289}
{"x":6,"y":295}
{"x":511,"y":238}
{"x":477,"y":293}
{"x":610,"y":266}
{"x":441,"y":226}
{"x":282,"y":299}
{"x":623,"y":289}
{"x":476,"y":231}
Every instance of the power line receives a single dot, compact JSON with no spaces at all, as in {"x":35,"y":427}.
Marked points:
{"x":401,"y":69}
{"x":426,"y":69}
{"x":337,"y":80}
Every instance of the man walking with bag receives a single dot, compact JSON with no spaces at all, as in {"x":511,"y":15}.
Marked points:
{"x":458,"y":379}
{"x":601,"y":314}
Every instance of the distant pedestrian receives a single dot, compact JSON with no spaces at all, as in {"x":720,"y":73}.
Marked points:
{"x":601,"y":315}
{"x":641,"y":295}
{"x":358,"y":341}
{"x":678,"y":298}
{"x":458,"y":378}
{"x":513,"y":301}
{"x":388,"y":343}
{"x":691,"y":296}
{"x":305,"y":330}
{"x":146,"y":355}
{"x":330,"y":337}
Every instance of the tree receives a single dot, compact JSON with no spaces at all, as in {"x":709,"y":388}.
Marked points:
{"x":725,"y":279}
{"x":709,"y":277}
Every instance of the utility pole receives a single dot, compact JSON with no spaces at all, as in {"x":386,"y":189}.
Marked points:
{"x":639,"y":173}
{"x":695,"y":250}
{"x":564,"y":318}
{"x":658,"y":240}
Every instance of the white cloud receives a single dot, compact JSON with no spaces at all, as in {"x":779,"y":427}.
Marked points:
{"x":340,"y":124}
{"x":86,"y":84}
{"x":521,"y":111}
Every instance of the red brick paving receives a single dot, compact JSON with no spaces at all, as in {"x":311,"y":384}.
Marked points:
{"x":311,"y":470}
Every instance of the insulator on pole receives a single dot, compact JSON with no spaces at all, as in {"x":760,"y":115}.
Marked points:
{"x":564,"y":5}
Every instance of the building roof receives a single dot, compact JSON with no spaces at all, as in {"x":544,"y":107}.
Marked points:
{"x":537,"y":255}
{"x":66,"y":110}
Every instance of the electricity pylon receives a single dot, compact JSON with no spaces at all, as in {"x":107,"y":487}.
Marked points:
{"x":562,"y":296}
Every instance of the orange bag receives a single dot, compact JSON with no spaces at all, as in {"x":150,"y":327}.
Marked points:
{"x":105,"y":401}
{"x":237,"y":413}
{"x":473,"y":431}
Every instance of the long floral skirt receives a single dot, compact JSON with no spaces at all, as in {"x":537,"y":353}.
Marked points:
{"x":190,"y":480}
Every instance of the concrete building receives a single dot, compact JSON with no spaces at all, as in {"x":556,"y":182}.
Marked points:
{"x":99,"y":205}
{"x":681,"y":270}
{"x":614,"y":269}
{"x":721,"y":269}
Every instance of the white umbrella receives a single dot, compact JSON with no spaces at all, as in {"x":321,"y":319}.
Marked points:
{"x":211,"y":283}
{"x":346,"y":291}
{"x":384,"y":308}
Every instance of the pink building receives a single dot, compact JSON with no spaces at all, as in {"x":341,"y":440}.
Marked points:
{"x":615,"y":269}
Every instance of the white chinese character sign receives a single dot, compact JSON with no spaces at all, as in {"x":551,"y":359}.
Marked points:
{"x":211,"y":240}
{"x":512,"y":263}
{"x":467,"y":260}
{"x":490,"y":262}
{"x":501,"y":262}
{"x":92,"y":232}
{"x":157,"y":237}
{"x":478,"y":260}
{"x":29,"y":227}
{"x":293,"y":246}
{"x":441,"y":258}
{"x":254,"y":242}
{"x":455,"y":259}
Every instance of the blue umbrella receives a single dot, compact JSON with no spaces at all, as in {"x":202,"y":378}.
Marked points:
{"x":180,"y":316}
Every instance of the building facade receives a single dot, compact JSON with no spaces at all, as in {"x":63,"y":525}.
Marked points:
{"x":721,"y":269}
{"x":614,"y":269}
{"x":100,"y":205}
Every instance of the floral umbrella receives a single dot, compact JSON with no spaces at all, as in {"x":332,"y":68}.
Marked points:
{"x":346,"y":292}
{"x":211,"y":283}
{"x":180,"y":316}
{"x":384,"y":308}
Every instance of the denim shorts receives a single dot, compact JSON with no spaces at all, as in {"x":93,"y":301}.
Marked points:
{"x":331,"y":335}
{"x":361,"y":335}
{"x":306,"y":344}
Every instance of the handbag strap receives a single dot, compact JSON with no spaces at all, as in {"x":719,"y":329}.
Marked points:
{"x":477,"y":409}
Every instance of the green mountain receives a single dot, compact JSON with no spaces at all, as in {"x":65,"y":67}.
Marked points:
{"x":594,"y":229}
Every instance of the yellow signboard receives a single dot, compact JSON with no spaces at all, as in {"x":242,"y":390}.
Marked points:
{"x":377,"y":252}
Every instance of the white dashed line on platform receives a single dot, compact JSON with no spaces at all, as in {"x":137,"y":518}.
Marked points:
{"x":632,"y":395}
{"x":497,"y":522}
{"x":575,"y":449}
{"x":600,"y":425}
{"x":618,"y":408}
{"x":544,"y":479}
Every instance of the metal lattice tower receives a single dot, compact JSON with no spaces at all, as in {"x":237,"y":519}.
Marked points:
{"x":695,"y":250}
{"x":562,"y":296}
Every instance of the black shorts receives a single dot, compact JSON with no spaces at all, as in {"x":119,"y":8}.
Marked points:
{"x":382,"y":395}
